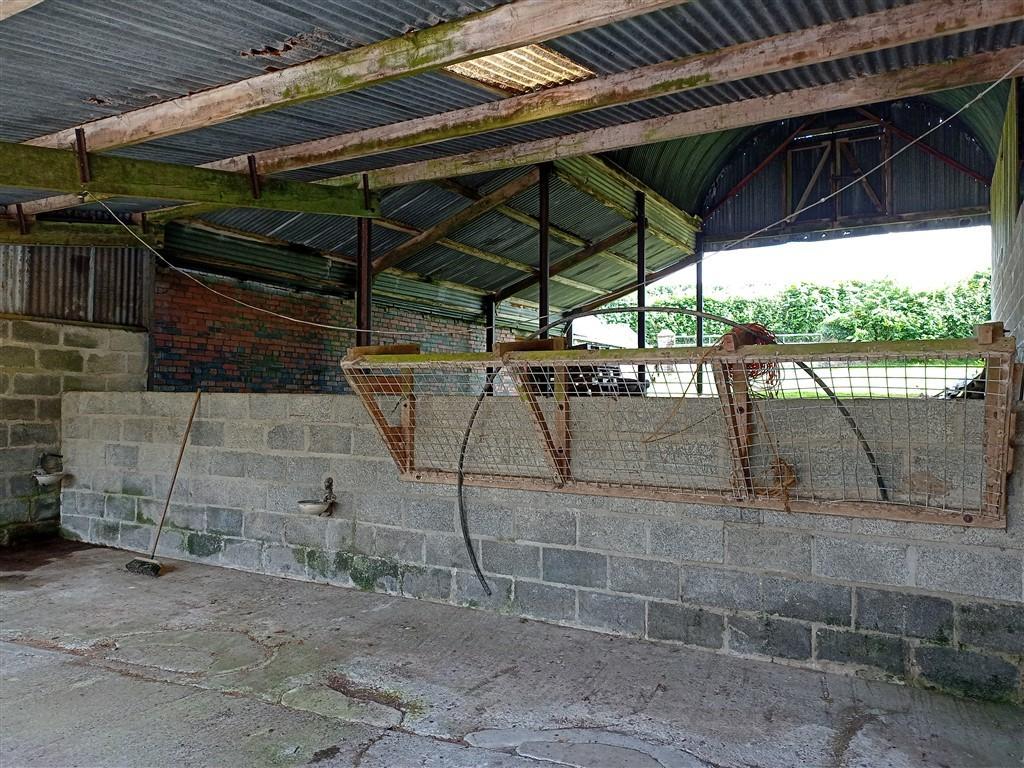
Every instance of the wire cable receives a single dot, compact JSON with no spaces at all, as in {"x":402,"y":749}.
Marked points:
{"x":792,"y":216}
{"x":246,"y":304}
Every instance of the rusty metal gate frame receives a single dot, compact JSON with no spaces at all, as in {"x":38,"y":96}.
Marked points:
{"x":729,"y":363}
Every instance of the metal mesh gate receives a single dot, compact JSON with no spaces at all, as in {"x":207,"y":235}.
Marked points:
{"x":913,"y":431}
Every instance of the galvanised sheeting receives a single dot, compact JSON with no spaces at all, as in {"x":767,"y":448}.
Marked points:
{"x":390,"y":102}
{"x":984,"y":117}
{"x":683,"y":169}
{"x":573,"y":210}
{"x":950,"y":47}
{"x":440,"y":263}
{"x":318,"y":231}
{"x":92,"y":284}
{"x":67,"y":61}
{"x":197,"y":244}
{"x":423,"y":205}
{"x":701,"y":25}
{"x":12,"y":195}
{"x":921,"y":183}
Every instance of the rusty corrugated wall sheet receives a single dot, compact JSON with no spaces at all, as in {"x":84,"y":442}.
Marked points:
{"x":92,"y":284}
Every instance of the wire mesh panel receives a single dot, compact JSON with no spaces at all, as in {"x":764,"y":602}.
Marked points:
{"x":908,"y":430}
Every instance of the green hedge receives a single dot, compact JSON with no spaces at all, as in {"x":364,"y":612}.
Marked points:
{"x":876,"y":310}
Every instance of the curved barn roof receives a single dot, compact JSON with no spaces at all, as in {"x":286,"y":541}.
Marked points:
{"x":68,"y":64}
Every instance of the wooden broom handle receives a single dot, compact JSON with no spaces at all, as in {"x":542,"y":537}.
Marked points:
{"x":174,"y":477}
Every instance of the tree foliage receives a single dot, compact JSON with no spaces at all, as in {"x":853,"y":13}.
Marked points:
{"x":876,"y":310}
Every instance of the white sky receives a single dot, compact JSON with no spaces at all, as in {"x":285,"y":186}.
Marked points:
{"x":919,"y":260}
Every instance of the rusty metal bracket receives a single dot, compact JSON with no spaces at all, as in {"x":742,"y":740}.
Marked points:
{"x":82,"y":156}
{"x":19,"y":214}
{"x":254,"y":176}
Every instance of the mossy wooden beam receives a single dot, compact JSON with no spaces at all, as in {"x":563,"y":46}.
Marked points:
{"x":854,"y":92}
{"x":56,"y":169}
{"x":444,"y":228}
{"x":617,"y":190}
{"x":575,"y":259}
{"x":64,"y":233}
{"x":9,"y":8}
{"x":904,"y":25}
{"x":498,"y":29}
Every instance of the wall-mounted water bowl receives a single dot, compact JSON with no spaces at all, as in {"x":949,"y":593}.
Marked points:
{"x":313,"y":507}
{"x":47,"y":479}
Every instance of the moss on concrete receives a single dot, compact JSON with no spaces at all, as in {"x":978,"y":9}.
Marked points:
{"x":366,"y":571}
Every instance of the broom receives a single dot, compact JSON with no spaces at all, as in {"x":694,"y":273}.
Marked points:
{"x":150,"y":566}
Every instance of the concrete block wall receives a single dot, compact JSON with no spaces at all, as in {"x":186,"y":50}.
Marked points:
{"x":38,"y":362}
{"x":1008,"y":282}
{"x":931,"y":605}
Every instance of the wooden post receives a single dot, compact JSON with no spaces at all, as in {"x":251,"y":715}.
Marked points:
{"x":400,"y":440}
{"x":532,"y":380}
{"x":999,"y":373}
{"x":734,"y":393}
{"x":543,"y":256}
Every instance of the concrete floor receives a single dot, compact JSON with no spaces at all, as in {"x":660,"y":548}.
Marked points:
{"x":206,"y":666}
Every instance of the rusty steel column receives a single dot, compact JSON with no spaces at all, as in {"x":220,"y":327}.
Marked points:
{"x":364,"y":276}
{"x":641,"y":278}
{"x":490,"y":311}
{"x":699,"y":305}
{"x":641,"y":268}
{"x":543,"y":256}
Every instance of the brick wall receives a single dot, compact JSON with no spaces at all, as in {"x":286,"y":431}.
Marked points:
{"x":932,"y":605}
{"x":202,"y":340}
{"x":38,"y":362}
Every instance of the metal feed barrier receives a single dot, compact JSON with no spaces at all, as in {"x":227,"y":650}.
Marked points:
{"x":906,"y":430}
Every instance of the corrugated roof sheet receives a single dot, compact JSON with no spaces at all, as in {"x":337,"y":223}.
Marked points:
{"x":67,"y":61}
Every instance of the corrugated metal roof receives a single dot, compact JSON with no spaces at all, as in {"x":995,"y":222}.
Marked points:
{"x":953,"y":46}
{"x":67,"y":61}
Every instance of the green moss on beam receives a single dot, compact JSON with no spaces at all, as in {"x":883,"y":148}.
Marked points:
{"x":65,"y":233}
{"x":31,"y":167}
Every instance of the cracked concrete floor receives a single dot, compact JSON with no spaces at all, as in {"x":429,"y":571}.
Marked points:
{"x":206,"y":666}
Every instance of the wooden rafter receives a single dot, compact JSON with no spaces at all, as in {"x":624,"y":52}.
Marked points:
{"x":903,"y":25}
{"x":575,"y":259}
{"x":479,"y":253}
{"x":616,"y":189}
{"x":47,"y":204}
{"x":9,"y":8}
{"x":506,"y":26}
{"x":515,"y":214}
{"x":858,"y":91}
{"x":57,"y":169}
{"x":444,"y":228}
{"x":652,"y":277}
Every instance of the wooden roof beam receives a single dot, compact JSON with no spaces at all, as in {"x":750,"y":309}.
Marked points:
{"x":444,"y":228}
{"x":479,"y":253}
{"x":918,"y":21}
{"x":9,"y":8}
{"x":524,"y":218}
{"x":575,"y":259}
{"x":652,"y":277}
{"x":56,"y":169}
{"x":498,"y":29}
{"x":615,"y":189}
{"x":858,"y":91}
